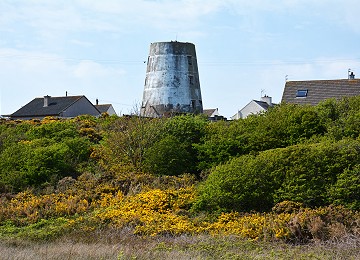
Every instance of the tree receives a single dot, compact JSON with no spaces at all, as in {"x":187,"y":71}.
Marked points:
{"x":128,"y":140}
{"x":346,"y":190}
{"x":168,"y":156}
{"x":341,"y":118}
{"x":221,"y":141}
{"x":188,"y":130}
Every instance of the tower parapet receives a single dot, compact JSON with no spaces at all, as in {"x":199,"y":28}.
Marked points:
{"x":172,"y":80}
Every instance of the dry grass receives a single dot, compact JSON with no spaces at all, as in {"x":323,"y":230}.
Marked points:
{"x":113,"y":244}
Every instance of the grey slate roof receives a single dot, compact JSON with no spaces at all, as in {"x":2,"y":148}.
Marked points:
{"x":318,"y":90}
{"x":103,"y":107}
{"x":263,"y":104}
{"x":209,"y":112}
{"x":35,"y":108}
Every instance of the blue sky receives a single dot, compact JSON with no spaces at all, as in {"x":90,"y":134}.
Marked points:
{"x":244,"y":48}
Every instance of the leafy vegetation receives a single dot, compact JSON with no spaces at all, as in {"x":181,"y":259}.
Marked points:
{"x":291,"y":174}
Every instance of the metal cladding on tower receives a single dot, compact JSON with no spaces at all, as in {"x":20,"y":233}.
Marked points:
{"x":172,"y":83}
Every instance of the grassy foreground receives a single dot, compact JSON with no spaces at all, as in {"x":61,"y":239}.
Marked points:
{"x":125,"y":245}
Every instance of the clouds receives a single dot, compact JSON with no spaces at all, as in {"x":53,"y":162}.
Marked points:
{"x":110,"y":15}
{"x":89,"y":70}
{"x":97,"y":48}
{"x":26,"y":75}
{"x":50,"y":20}
{"x":163,"y":9}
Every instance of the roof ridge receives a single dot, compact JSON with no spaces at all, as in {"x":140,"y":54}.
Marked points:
{"x":317,"y":80}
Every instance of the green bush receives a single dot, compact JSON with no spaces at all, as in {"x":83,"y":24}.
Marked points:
{"x":221,"y":141}
{"x":346,"y":190}
{"x":128,"y":140}
{"x":11,"y":133}
{"x":301,"y":173}
{"x":189,"y":131}
{"x":243,"y":184}
{"x":56,"y":130}
{"x":33,"y":164}
{"x":341,"y":118}
{"x":167,"y":157}
{"x":281,"y":126}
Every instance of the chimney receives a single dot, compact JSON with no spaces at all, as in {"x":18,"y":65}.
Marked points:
{"x":352,"y":75}
{"x":267,"y":99}
{"x":97,"y":101}
{"x":46,"y":100}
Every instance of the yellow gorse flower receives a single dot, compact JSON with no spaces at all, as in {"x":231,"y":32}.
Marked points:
{"x":157,"y":211}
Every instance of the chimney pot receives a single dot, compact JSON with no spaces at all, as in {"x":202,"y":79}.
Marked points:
{"x":352,"y":75}
{"x":267,"y":99}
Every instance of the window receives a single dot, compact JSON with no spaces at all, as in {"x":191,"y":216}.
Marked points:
{"x":191,"y":80}
{"x":148,"y":64}
{"x":193,"y":104}
{"x":189,"y":60}
{"x":301,"y":93}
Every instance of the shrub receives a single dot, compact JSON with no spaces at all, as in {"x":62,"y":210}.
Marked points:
{"x":301,"y":173}
{"x":346,"y":190}
{"x":310,"y":170}
{"x":341,"y":118}
{"x":128,"y":141}
{"x":33,"y":163}
{"x":242,"y":184}
{"x":188,"y":130}
{"x":167,"y":157}
{"x":281,"y":126}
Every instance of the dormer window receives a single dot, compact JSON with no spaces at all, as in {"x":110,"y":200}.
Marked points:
{"x":301,"y":93}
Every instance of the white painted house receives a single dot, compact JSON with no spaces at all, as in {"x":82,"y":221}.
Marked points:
{"x":254,"y":107}
{"x":211,"y":112}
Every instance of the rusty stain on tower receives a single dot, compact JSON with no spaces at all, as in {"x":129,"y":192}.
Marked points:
{"x":172,"y":80}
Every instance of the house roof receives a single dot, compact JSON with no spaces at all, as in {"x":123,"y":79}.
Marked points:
{"x":314,"y":91}
{"x":103,"y":108}
{"x":55,"y":106}
{"x":209,"y":112}
{"x":263,"y":104}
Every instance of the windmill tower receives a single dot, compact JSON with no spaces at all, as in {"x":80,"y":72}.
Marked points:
{"x":172,"y":80}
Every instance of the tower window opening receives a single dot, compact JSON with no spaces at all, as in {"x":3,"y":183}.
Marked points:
{"x":191,"y":80}
{"x":148,"y":63}
{"x":189,"y":58}
{"x":193,"y":103}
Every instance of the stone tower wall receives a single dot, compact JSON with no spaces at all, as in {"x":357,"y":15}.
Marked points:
{"x":172,"y":80}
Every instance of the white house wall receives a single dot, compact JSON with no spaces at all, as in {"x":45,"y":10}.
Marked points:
{"x":111,"y":111}
{"x":251,"y":108}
